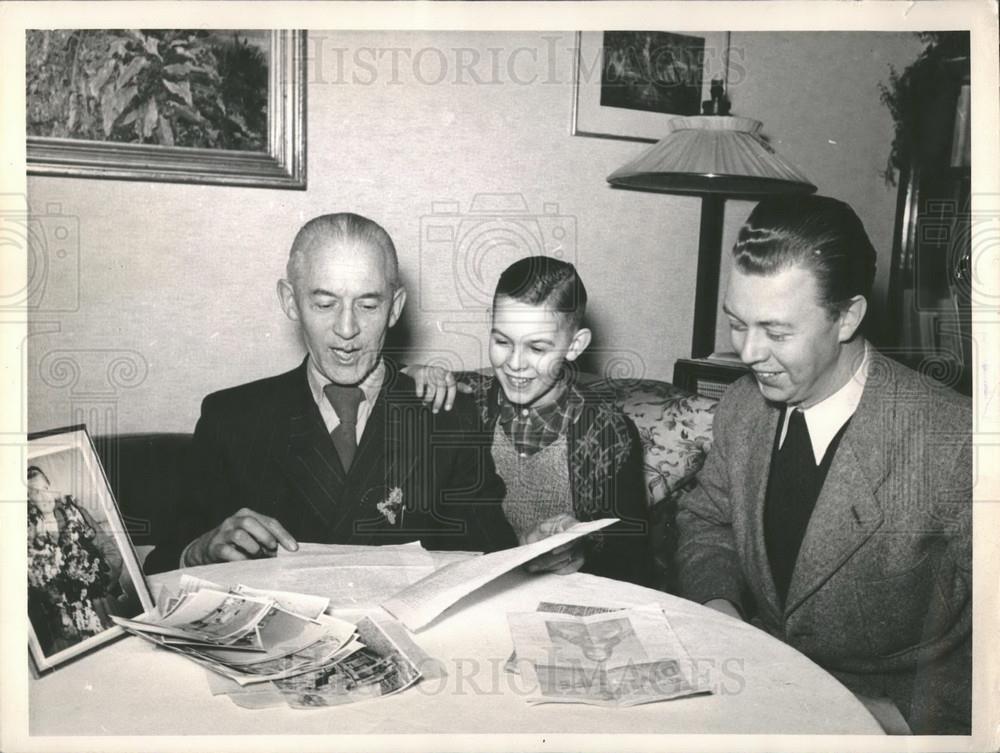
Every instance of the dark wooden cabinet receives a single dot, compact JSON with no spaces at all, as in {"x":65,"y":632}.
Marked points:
{"x":928,"y":322}
{"x":929,"y":326}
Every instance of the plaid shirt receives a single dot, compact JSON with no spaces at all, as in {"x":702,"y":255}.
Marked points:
{"x":533,"y":429}
{"x":604,"y":459}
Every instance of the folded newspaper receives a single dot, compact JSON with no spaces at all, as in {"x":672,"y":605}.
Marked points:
{"x":268,"y":648}
{"x":419,"y":604}
{"x":622,"y":657}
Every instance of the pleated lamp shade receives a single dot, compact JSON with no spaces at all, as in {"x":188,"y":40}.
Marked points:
{"x":712,"y":154}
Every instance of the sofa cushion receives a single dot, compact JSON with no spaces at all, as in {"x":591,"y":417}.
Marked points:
{"x":675,"y":428}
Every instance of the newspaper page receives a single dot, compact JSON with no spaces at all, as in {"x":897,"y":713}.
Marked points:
{"x":412,"y":555}
{"x":350,"y":576}
{"x":417,"y":605}
{"x":621,"y":658}
{"x":339,"y":555}
{"x":580,"y":610}
{"x":309,"y":548}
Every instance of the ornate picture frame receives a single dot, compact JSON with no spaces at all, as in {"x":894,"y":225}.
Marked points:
{"x":282,"y":164}
{"x":82,"y":567}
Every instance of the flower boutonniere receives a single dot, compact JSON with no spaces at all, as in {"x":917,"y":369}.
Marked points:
{"x":392,"y":505}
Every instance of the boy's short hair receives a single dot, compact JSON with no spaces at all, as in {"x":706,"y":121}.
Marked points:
{"x":537,"y":280}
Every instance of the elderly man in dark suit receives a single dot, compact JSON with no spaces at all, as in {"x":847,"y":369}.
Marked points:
{"x":339,"y":450}
{"x":834,"y":509}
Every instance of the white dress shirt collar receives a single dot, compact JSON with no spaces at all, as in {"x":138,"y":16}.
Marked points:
{"x":827,"y":417}
{"x":371,"y":386}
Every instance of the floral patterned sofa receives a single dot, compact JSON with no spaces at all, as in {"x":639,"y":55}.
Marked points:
{"x":675,"y":428}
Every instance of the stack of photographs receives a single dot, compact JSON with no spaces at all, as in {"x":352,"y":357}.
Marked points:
{"x":267,"y":648}
{"x":382,"y":667}
{"x":245,"y":635}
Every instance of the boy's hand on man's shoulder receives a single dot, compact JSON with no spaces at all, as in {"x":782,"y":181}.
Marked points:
{"x":436,"y":385}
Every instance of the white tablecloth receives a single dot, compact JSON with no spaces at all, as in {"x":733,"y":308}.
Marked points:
{"x":760,"y":684}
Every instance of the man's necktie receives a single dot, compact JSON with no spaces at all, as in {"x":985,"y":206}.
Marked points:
{"x":797,"y":441}
{"x":792,"y":492}
{"x":345,"y":401}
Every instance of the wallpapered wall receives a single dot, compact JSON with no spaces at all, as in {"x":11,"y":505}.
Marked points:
{"x":176,"y":283}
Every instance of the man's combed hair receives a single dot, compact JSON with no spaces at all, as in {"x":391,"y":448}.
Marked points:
{"x":538,"y":280}
{"x":821,"y":234}
{"x":341,"y":227}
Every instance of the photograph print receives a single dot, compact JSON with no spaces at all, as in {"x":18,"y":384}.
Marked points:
{"x":82,"y":569}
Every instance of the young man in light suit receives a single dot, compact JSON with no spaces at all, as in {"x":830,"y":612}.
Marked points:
{"x":834,"y":509}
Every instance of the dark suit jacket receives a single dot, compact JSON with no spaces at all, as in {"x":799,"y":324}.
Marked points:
{"x":881,"y":593}
{"x":264,"y":446}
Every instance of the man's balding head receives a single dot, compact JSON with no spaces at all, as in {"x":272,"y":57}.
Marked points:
{"x":343,"y":289}
{"x":342,"y":227}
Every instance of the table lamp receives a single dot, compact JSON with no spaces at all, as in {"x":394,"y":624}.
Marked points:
{"x":711,"y":156}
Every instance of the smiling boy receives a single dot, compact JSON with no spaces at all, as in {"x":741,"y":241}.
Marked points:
{"x":564,"y":450}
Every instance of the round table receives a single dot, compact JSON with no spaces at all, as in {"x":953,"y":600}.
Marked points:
{"x":759,"y":684}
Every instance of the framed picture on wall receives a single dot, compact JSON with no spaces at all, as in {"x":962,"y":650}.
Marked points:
{"x":220,"y":106}
{"x":628,"y":84}
{"x":82,"y":568}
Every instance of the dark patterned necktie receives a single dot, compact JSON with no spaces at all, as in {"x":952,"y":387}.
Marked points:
{"x":345,"y":401}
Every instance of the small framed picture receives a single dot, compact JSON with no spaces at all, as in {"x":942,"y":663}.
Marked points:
{"x":629,"y":84}
{"x":82,"y":568}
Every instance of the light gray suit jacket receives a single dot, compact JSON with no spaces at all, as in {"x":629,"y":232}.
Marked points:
{"x":881,"y":594}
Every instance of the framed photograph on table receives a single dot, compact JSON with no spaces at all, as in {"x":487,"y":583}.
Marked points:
{"x":628,"y":84}
{"x":82,"y":568}
{"x":223,"y":106}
